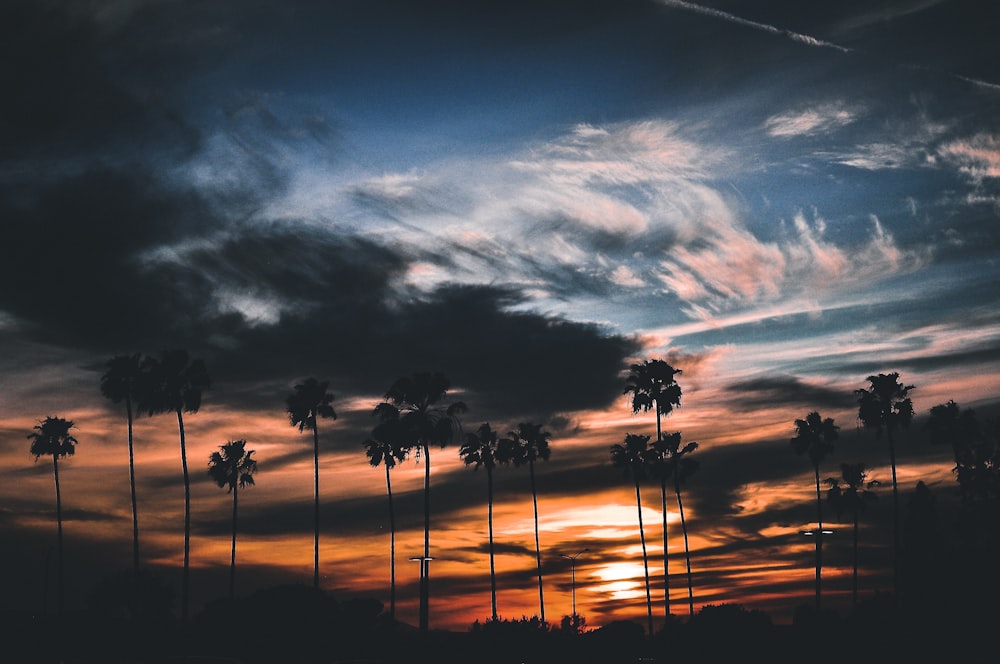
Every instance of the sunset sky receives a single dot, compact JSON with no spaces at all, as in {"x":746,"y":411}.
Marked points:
{"x":778,"y":198}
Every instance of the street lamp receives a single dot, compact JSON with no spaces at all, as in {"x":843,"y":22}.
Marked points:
{"x":819,"y":557}
{"x":572,"y":560}
{"x":424,"y":562}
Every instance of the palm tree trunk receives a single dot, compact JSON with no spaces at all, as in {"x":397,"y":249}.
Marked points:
{"x":185,"y":578}
{"x":59,"y":538}
{"x":538,"y":548}
{"x":895,"y":519}
{"x":493,"y":570}
{"x":666,"y":574}
{"x":425,"y":563}
{"x":392,"y":547}
{"x":645,"y":560}
{"x":315,"y":503}
{"x":687,"y":549}
{"x":232,"y":555}
{"x":131,"y":482}
{"x":819,"y":541}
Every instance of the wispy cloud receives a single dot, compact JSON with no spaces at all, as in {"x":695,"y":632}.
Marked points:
{"x":810,"y":121}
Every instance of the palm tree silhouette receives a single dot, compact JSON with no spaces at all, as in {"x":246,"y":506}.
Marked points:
{"x":632,"y":457}
{"x":121,"y":382}
{"x":527,"y":444}
{"x":481,"y":449}
{"x":233,"y":466}
{"x":385,"y":447}
{"x":669,"y":459}
{"x":412,"y":400}
{"x":885,"y":405}
{"x":308,"y":402}
{"x":52,"y":437}
{"x":654,"y":387}
{"x":974,"y":454}
{"x":814,"y":437}
{"x":176,"y":383}
{"x":853,"y":498}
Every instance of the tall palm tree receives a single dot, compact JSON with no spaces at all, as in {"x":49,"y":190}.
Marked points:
{"x":384,"y":447}
{"x":175,"y":384}
{"x":233,"y":466}
{"x":814,"y":437}
{"x":527,"y":444}
{"x":885,"y":405}
{"x":631,"y":456}
{"x":667,"y":459}
{"x":653,"y":386}
{"x":852,"y":498}
{"x":481,"y":449}
{"x":308,"y":402}
{"x":121,"y":382}
{"x":413,"y":400}
{"x":52,"y":437}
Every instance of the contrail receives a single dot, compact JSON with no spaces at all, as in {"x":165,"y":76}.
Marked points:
{"x":804,"y":39}
{"x":726,"y":16}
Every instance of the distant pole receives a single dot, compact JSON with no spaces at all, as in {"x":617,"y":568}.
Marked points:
{"x":572,"y":573}
{"x":424,"y":562}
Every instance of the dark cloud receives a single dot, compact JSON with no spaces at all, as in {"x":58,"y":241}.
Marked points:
{"x":777,"y":390}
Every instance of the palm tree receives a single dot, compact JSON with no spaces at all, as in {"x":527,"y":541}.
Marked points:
{"x":413,"y":400}
{"x":233,"y":466}
{"x":814,"y":436}
{"x":175,"y":384}
{"x":669,"y":459}
{"x":481,"y":449}
{"x":853,"y":498}
{"x":121,"y":382}
{"x":654,"y":387}
{"x":885,"y":405}
{"x":52,"y":437}
{"x":527,"y":444}
{"x":384,"y":447}
{"x":960,"y":429}
{"x":632,"y":457}
{"x":304,"y":405}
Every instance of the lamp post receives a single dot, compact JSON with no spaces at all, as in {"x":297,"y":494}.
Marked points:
{"x":572,"y":560}
{"x":424,"y":562}
{"x":819,"y":547}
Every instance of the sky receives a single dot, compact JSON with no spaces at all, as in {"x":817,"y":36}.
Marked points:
{"x":778,"y":198}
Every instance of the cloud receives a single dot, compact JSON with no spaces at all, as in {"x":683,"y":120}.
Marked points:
{"x":817,"y":120}
{"x":977,"y":157}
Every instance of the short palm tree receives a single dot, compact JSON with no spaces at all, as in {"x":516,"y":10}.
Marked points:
{"x":527,"y":444}
{"x":385,"y":448}
{"x":631,"y":456}
{"x":480,"y":449}
{"x":669,"y":460}
{"x":174,"y":383}
{"x":121,"y":382}
{"x":52,"y":437}
{"x":852,"y":499}
{"x":814,"y":437}
{"x":653,"y":386}
{"x":305,"y":405}
{"x":414,"y":402}
{"x":885,"y":405}
{"x":975,"y":455}
{"x":232,"y":467}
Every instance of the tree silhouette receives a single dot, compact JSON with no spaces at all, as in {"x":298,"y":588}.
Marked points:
{"x":385,"y":447}
{"x":413,"y":401}
{"x":481,"y":449}
{"x":528,"y":443}
{"x":232,"y":467}
{"x":654,"y":387}
{"x":631,"y":456}
{"x":885,"y":406}
{"x":52,"y":437}
{"x":176,"y":383}
{"x":852,"y":499}
{"x":667,"y":459}
{"x":814,"y":437}
{"x":121,"y":382}
{"x":973,"y":452}
{"x":308,"y":402}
